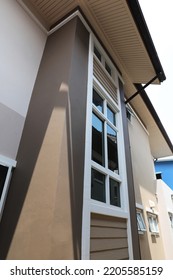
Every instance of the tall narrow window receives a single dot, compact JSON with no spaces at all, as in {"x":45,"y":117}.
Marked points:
{"x":106,"y":179}
{"x":104,"y":152}
{"x":97,"y":140}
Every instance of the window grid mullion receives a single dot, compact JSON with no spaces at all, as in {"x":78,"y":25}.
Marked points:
{"x":98,"y":113}
{"x":111,"y":125}
{"x":107,"y":190}
{"x":106,"y":158}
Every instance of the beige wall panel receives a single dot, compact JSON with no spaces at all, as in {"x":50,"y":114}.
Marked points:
{"x":99,"y":232}
{"x":97,"y":220}
{"x":142,"y":161}
{"x":165,"y":205}
{"x":145,"y":187}
{"x":108,"y":238}
{"x":151,"y":246}
{"x":47,"y":207}
{"x":108,"y":244}
{"x":121,"y":254}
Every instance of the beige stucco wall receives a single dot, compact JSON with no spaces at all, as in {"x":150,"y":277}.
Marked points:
{"x":145,"y":188}
{"x":165,"y":205}
{"x":46,"y":214}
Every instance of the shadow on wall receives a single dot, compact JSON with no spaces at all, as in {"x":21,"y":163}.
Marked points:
{"x":29,"y":184}
{"x":50,"y":160}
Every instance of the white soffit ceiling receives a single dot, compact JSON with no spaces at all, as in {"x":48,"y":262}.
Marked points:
{"x":114,"y":24}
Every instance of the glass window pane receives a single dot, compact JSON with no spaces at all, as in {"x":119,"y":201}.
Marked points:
{"x":108,"y":68}
{"x":150,"y":224}
{"x":141,"y":225}
{"x":156,"y":229}
{"x":112,"y":149}
{"x":138,"y":222}
{"x":114,"y":193}
{"x":3,"y":174}
{"x":97,"y":53}
{"x":98,"y":186}
{"x":111,"y":115}
{"x":97,"y":101}
{"x":153,"y":224}
{"x":97,"y":140}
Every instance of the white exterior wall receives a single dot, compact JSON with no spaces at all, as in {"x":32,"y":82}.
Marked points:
{"x":165,"y":205}
{"x":21,"y":49}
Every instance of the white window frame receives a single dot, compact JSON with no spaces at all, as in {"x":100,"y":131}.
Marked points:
{"x":118,"y":128}
{"x":104,"y":61}
{"x":90,"y":205}
{"x":10,"y":164}
{"x":153,"y":224}
{"x":104,"y":169}
{"x":140,"y":222}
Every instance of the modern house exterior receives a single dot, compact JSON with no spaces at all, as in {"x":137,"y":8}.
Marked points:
{"x":164,"y":170}
{"x":76,"y":154}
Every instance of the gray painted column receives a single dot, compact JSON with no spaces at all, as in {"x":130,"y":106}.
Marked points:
{"x":131,"y":193}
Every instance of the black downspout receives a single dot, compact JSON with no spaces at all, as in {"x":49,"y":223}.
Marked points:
{"x":139,"y":91}
{"x":131,"y":192}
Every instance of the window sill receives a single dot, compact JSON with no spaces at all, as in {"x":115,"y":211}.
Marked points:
{"x":155,"y":234}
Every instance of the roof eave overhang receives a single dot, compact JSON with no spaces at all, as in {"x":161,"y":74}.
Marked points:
{"x":128,"y":41}
{"x":146,"y":37}
{"x":121,"y":27}
{"x":157,"y":151}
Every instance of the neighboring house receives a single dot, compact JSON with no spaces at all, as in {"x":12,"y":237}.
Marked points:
{"x":164,"y":170}
{"x":150,"y":202}
{"x":164,"y":197}
{"x":78,"y":166}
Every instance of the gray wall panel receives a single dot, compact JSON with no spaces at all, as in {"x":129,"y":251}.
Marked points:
{"x":11,"y":126}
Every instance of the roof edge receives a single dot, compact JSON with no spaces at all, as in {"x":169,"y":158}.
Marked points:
{"x":154,"y":114}
{"x":140,"y":22}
